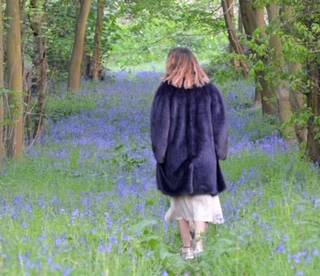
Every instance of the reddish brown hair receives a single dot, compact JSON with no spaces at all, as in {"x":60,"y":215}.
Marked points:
{"x":183,"y":69}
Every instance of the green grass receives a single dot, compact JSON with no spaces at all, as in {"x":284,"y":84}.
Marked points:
{"x":246,"y":246}
{"x":81,"y":209}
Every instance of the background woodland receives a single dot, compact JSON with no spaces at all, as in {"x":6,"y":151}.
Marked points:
{"x":77,"y":186}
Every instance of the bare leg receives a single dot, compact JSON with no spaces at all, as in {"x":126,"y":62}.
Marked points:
{"x":200,"y":228}
{"x":186,"y":250}
{"x":185,"y":232}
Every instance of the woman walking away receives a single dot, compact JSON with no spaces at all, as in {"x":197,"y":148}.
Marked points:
{"x":189,"y":137}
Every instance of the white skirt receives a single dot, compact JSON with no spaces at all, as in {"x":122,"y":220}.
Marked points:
{"x":195,"y":208}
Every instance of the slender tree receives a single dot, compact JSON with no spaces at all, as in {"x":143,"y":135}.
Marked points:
{"x":228,"y":12}
{"x":77,"y":52}
{"x":313,"y":101}
{"x":97,"y":54}
{"x":240,"y":24}
{"x":253,"y":22}
{"x":86,"y":60}
{"x":297,"y":97}
{"x":40,"y":63}
{"x":14,"y":76}
{"x":279,"y":83}
{"x":310,"y":35}
{"x":1,"y":90}
{"x":26,"y":70}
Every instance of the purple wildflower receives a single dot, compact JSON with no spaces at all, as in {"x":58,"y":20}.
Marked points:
{"x":102,"y":247}
{"x":281,"y":249}
{"x":67,"y":271}
{"x":74,"y":216}
{"x":18,"y":200}
{"x":271,"y":203}
{"x":125,"y":238}
{"x":285,"y":238}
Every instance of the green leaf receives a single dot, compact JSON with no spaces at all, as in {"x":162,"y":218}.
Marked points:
{"x":142,"y":225}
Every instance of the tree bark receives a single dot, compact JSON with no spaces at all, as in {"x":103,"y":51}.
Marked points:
{"x":1,"y":90}
{"x":311,"y":41}
{"x":40,"y":63}
{"x":278,"y":64}
{"x":297,"y":99}
{"x":15,"y":80}
{"x":313,"y":101}
{"x":240,"y":24}
{"x":28,"y":102}
{"x":86,"y":62}
{"x":252,"y":19}
{"x":77,"y":53}
{"x":235,"y":45}
{"x":97,"y":54}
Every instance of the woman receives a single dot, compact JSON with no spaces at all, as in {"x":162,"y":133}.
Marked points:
{"x":189,"y":136}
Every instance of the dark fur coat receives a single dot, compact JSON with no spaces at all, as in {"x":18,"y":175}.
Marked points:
{"x":189,"y":137}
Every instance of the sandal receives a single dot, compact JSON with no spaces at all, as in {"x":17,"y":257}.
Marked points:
{"x":197,"y":252}
{"x":187,"y":253}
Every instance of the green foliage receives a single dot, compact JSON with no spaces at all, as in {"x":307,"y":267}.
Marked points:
{"x":61,"y":107}
{"x":301,"y":118}
{"x":148,"y":35}
{"x":121,"y":156}
{"x":253,"y":128}
{"x":298,"y":30}
{"x":12,"y":101}
{"x":111,"y":30}
{"x":220,"y":67}
{"x":268,"y":193}
{"x":60,"y":34}
{"x":93,"y":209}
{"x":134,"y":32}
{"x":60,"y":28}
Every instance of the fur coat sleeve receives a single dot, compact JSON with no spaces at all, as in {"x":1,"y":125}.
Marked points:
{"x":219,"y":123}
{"x":160,"y":122}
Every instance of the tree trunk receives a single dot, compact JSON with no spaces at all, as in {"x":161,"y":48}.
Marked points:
{"x":313,"y":101}
{"x":40,"y":63}
{"x":297,"y":99}
{"x":77,"y":53}
{"x":240,"y":24}
{"x":278,"y":65}
{"x":236,"y":47}
{"x":252,"y":19}
{"x":1,"y":90}
{"x":86,"y":62}
{"x":96,"y":66}
{"x":313,"y":73}
{"x":28,"y":102}
{"x":14,"y":74}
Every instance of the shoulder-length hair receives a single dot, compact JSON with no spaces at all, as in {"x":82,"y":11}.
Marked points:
{"x":183,"y":69}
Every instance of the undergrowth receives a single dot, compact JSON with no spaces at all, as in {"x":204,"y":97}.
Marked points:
{"x":84,"y":200}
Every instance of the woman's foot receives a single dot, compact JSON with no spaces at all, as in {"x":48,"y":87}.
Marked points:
{"x":197,"y":252}
{"x":187,"y":253}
